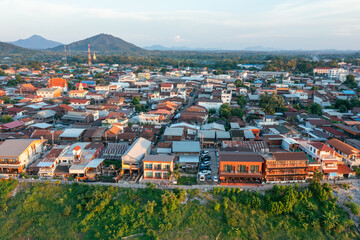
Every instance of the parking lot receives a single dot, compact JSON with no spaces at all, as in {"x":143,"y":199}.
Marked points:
{"x":213,"y":165}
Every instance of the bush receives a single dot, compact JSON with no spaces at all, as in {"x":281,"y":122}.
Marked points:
{"x":355,"y":208}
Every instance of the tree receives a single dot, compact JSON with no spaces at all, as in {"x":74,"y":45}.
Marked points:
{"x":350,"y":81}
{"x":136,"y":100}
{"x":343,"y":109}
{"x":315,"y":108}
{"x":341,"y":102}
{"x":241,"y":100}
{"x":212,"y":111}
{"x":271,"y":103}
{"x":225,"y":111}
{"x":174,"y":175}
{"x":6,"y":119}
{"x":238,"y":112}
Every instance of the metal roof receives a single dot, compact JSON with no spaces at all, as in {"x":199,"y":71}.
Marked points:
{"x":94,"y":163}
{"x":186,"y":146}
{"x":72,"y":132}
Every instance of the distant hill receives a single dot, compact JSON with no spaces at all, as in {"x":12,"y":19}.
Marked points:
{"x":36,"y":42}
{"x":7,"y":48}
{"x":102,"y":43}
{"x":261,"y":49}
{"x":181,"y":48}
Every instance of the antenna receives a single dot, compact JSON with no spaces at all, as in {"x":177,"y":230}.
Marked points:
{"x":89,"y":56}
{"x":65,"y":54}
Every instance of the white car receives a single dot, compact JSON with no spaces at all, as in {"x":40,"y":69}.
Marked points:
{"x":202,"y":178}
{"x":215,"y":178}
{"x":205,"y":172}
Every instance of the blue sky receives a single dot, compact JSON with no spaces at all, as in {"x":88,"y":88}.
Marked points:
{"x":226,"y":24}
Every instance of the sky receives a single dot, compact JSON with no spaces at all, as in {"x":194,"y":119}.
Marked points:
{"x":223,"y":24}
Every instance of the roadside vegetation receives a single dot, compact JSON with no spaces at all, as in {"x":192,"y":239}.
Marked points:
{"x":79,"y":211}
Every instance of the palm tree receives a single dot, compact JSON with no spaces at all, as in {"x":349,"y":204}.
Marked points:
{"x":174,"y":175}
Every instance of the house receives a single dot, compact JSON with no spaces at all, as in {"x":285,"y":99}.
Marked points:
{"x":188,"y":153}
{"x":132,"y":158}
{"x":79,"y":103}
{"x":58,"y":83}
{"x":286,"y":167}
{"x":157,"y":167}
{"x":78,"y":93}
{"x":80,"y":160}
{"x":52,"y":136}
{"x":45,"y":116}
{"x":12,"y":126}
{"x":166,"y":87}
{"x":112,"y":134}
{"x":94,"y":134}
{"x":77,"y":117}
{"x":241,"y":167}
{"x":173,"y":134}
{"x":49,"y":93}
{"x":314,"y":123}
{"x":210,"y":103}
{"x":349,"y":154}
{"x":47,"y":165}
{"x":72,"y":134}
{"x":17,"y":154}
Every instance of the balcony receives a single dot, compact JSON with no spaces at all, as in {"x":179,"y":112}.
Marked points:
{"x":286,"y":166}
{"x":287,"y":173}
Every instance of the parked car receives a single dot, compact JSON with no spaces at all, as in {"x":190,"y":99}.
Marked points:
{"x":204,"y":168}
{"x":215,"y":179}
{"x":202,"y":178}
{"x":208,"y":178}
{"x":204,"y":155}
{"x":205,"y":172}
{"x":205,"y":152}
{"x":205,"y":162}
{"x":206,"y":158}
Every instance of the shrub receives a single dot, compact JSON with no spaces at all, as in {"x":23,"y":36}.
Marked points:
{"x":355,"y":208}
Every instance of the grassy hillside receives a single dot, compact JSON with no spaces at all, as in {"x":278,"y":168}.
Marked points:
{"x":7,"y":48}
{"x":44,"y":211}
{"x":102,"y":43}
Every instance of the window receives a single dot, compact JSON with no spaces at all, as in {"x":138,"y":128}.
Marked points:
{"x":148,"y":166}
{"x":158,"y":175}
{"x":227,"y":168}
{"x":165,"y":175}
{"x":254,"y":168}
{"x":167,"y":167}
{"x":241,"y":168}
{"x":157,"y":166}
{"x":149,"y":174}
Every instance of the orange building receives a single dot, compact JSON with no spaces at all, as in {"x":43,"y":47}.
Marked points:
{"x":58,"y":83}
{"x":157,"y":167}
{"x":287,"y":166}
{"x":241,"y":167}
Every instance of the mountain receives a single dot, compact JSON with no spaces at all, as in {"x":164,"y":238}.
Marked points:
{"x":261,"y":49}
{"x":7,"y":48}
{"x":102,"y":43}
{"x":181,"y":48}
{"x":36,"y":42}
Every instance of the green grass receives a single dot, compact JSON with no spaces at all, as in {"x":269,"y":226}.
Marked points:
{"x":184,"y":180}
{"x":79,"y":211}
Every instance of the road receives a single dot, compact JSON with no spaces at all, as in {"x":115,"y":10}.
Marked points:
{"x":204,"y":187}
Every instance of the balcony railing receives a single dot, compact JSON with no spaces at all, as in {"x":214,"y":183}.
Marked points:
{"x":286,"y":165}
{"x":287,"y":173}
